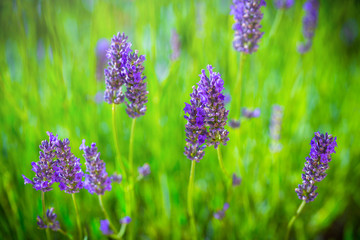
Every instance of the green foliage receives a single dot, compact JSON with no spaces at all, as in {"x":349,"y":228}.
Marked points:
{"x":48,"y":83}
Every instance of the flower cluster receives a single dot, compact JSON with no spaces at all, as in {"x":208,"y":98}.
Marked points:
{"x":309,"y":23}
{"x":247,"y":17}
{"x":125,"y":67}
{"x":322,"y":146}
{"x":49,"y":220}
{"x":144,"y":170}
{"x":275,"y":127}
{"x":247,"y":113}
{"x":236,"y":180}
{"x":221,"y":213}
{"x":206,"y":110}
{"x":284,"y":3}
{"x":97,"y":180}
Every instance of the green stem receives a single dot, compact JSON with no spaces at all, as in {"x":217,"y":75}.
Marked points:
{"x":221,"y":163}
{"x":77,"y":216}
{"x":122,"y":168}
{"x":238,"y":85}
{"x":131,"y":167}
{"x":121,"y":231}
{"x":44,"y":215}
{"x":106,"y":214}
{"x":65,"y":233}
{"x":277,"y":20}
{"x":190,"y":198}
{"x":131,"y":199}
{"x":294,"y":218}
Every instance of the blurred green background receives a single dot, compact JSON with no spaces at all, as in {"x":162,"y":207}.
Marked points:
{"x":49,"y":82}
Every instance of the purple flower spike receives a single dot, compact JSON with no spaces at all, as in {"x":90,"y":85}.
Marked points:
{"x":46,"y":166}
{"x":97,"y":180}
{"x":309,"y":24}
{"x":69,"y":173}
{"x":247,"y":26}
{"x":275,"y":127}
{"x":251,"y":114}
{"x":49,"y":221}
{"x":105,"y":227}
{"x":236,"y":180}
{"x":234,"y":123}
{"x":212,"y":97}
{"x":125,"y":220}
{"x":322,"y":146}
{"x":221,"y":213}
{"x":101,"y":48}
{"x":175,"y":45}
{"x":284,"y":4}
{"x":144,"y":170}
{"x":116,"y":178}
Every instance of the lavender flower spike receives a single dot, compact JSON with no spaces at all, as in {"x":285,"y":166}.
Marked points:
{"x":105,"y":227}
{"x":125,"y":220}
{"x":69,"y":173}
{"x":136,"y":92}
{"x":309,"y":23}
{"x":195,"y":127}
{"x":144,"y":170}
{"x":251,"y":114}
{"x":210,"y":90}
{"x":322,"y":146}
{"x":49,"y":220}
{"x":46,"y":166}
{"x":221,"y":213}
{"x":275,"y":128}
{"x":284,"y":4}
{"x":247,"y":17}
{"x":97,"y":180}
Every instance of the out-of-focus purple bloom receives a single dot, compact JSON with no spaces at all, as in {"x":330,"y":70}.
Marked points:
{"x":284,"y":3}
{"x":68,"y":172}
{"x":234,"y":123}
{"x":350,"y":31}
{"x":322,"y":146}
{"x":212,"y":98}
{"x":275,"y":127}
{"x":136,"y":92}
{"x":49,"y":220}
{"x":116,"y":178}
{"x":195,"y":127}
{"x":46,"y":166}
{"x":125,"y":220}
{"x":221,"y":213}
{"x":247,"y":113}
{"x":227,"y":99}
{"x":101,"y":48}
{"x":116,"y":72}
{"x":236,"y":180}
{"x":247,"y":26}
{"x":144,"y":170}
{"x":309,"y":23}
{"x":97,"y":180}
{"x":105,"y":227}
{"x":175,"y":45}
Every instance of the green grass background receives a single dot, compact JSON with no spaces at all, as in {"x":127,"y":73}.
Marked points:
{"x":48,"y":83}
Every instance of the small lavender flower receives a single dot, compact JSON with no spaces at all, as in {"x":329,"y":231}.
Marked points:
{"x":105,"y":227}
{"x":251,"y":114}
{"x":144,"y":170}
{"x":221,"y":213}
{"x":275,"y":127}
{"x":116,"y":178}
{"x":247,"y":17}
{"x":116,"y":72}
{"x":175,"y":45}
{"x":309,"y":24}
{"x":212,"y":99}
{"x":49,"y":220}
{"x":97,"y":180}
{"x":322,"y":146}
{"x":236,"y":180}
{"x":136,"y":91}
{"x":125,"y":220}
{"x":45,"y":168}
{"x":195,"y":127}
{"x":234,"y":123}
{"x":284,"y":4}
{"x":68,"y":172}
{"x":101,"y":48}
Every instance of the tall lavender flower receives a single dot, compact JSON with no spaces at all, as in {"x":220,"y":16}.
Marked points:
{"x":212,"y":98}
{"x":309,"y":24}
{"x":116,"y":72}
{"x":45,"y":168}
{"x":322,"y":146}
{"x":284,"y":3}
{"x":49,"y":220}
{"x":136,"y":91}
{"x":68,"y":173}
{"x":275,"y":127}
{"x":195,"y":127}
{"x":97,"y":180}
{"x":247,"y":26}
